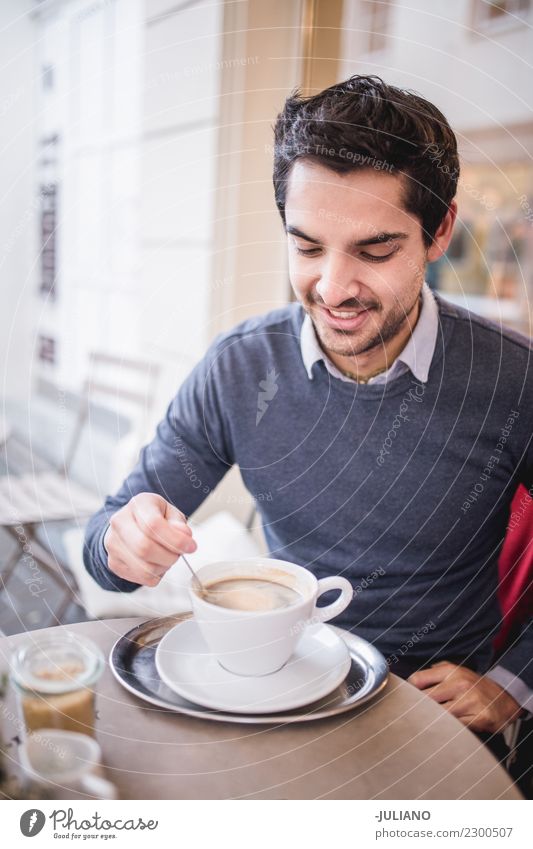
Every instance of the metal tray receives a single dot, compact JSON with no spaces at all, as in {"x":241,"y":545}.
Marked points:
{"x":132,"y":661}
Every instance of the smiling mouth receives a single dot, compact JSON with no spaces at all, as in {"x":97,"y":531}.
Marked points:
{"x":344,"y":313}
{"x":345,"y":320}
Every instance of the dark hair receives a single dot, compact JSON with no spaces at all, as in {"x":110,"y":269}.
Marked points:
{"x":365,"y":123}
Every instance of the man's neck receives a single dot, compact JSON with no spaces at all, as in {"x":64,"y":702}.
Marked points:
{"x":364,"y":366}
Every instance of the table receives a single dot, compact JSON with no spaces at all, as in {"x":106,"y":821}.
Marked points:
{"x":401,"y":745}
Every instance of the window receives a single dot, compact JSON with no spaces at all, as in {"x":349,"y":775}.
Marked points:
{"x":46,"y":350}
{"x":501,"y":14}
{"x":376,"y":22}
{"x":47,"y":77}
{"x":48,"y":239}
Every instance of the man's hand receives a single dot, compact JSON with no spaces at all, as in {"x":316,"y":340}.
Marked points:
{"x":145,"y":537}
{"x":477,"y":701}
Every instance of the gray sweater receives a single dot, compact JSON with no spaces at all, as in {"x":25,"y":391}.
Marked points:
{"x":403,"y":488}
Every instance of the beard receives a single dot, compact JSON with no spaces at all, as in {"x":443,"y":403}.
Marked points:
{"x":381,"y":328}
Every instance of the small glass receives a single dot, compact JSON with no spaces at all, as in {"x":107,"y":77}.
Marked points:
{"x":54,"y":678}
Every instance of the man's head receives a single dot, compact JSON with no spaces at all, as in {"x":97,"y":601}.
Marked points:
{"x":364,"y":179}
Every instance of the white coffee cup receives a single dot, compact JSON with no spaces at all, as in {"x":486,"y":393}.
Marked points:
{"x":260,"y":642}
{"x":66,"y":764}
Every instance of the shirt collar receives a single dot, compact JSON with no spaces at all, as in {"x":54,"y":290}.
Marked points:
{"x":416,"y":355}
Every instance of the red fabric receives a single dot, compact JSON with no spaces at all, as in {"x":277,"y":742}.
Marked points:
{"x":516,"y":567}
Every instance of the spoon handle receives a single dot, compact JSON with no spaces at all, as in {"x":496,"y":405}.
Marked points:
{"x":196,"y":581}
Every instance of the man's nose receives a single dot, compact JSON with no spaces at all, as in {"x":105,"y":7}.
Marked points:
{"x":338,"y":281}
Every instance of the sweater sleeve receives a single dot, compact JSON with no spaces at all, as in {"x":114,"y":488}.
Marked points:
{"x":188,"y":456}
{"x":517,"y":661}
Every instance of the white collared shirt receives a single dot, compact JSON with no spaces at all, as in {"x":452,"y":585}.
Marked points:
{"x":416,"y":355}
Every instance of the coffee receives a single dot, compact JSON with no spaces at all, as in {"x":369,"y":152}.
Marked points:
{"x":73,"y":711}
{"x":252,"y":594}
{"x":55,"y":680}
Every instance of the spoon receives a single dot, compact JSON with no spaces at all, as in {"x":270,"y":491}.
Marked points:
{"x":198,"y":586}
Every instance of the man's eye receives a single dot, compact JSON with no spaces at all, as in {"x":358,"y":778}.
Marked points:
{"x":379,"y":258}
{"x":307,"y":251}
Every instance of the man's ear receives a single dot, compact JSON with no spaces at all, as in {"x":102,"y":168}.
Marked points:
{"x":443,"y":235}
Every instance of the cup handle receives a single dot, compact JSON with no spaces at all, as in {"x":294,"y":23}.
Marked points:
{"x":93,"y":785}
{"x":322,"y":614}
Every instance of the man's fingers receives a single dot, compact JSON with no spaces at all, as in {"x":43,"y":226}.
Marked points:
{"x":469,"y":716}
{"x":147,"y":574}
{"x":146,"y":549}
{"x":149,"y":515}
{"x":441,"y":693}
{"x":463,"y":706}
{"x":434,"y":675}
{"x":172,"y":512}
{"x":450,"y":689}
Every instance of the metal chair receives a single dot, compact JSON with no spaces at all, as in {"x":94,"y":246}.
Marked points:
{"x":30,"y":500}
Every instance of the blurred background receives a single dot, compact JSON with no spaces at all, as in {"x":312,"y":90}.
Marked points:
{"x":137,"y":220}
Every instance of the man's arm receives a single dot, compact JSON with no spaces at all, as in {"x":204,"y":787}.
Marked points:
{"x":487,"y":702}
{"x":188,"y":456}
{"x":492,"y":701}
{"x":514,"y":671}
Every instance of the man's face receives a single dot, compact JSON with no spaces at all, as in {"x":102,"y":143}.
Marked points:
{"x":356,"y":257}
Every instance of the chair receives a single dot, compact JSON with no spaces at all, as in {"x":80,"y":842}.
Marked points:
{"x":30,"y":500}
{"x":515,"y":594}
{"x":515,"y":568}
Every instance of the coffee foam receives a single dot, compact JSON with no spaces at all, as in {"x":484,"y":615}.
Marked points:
{"x":250,"y":593}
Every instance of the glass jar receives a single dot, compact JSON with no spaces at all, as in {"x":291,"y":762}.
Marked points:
{"x":55,"y":675}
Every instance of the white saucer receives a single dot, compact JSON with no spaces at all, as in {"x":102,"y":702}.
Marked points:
{"x":319,"y":664}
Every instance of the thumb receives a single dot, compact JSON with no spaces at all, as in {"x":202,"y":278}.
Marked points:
{"x":173,"y":515}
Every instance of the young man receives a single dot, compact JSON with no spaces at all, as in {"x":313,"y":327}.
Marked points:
{"x":388,"y":428}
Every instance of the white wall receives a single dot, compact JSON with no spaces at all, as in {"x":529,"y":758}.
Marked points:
{"x":17,"y":197}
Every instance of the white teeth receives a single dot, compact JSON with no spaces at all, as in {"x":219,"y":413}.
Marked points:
{"x":343,"y":314}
